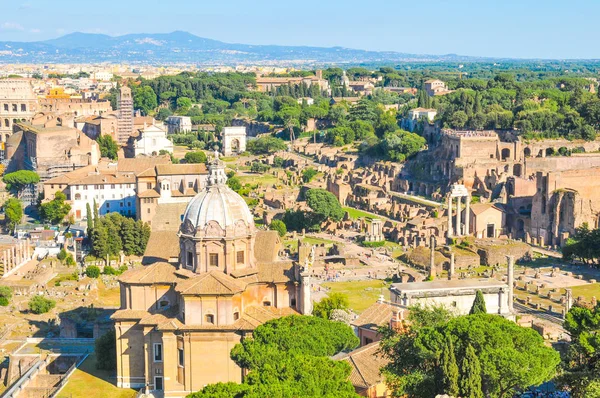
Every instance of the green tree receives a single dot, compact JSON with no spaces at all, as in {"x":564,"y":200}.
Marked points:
{"x":144,"y":99}
{"x":234,"y":183}
{"x":478,"y":306}
{"x":108,"y":147}
{"x":266,"y":145}
{"x":511,"y":358}
{"x":55,"y":210}
{"x":195,"y":157}
{"x":308,"y":174}
{"x":62,"y":254}
{"x":20,"y":179}
{"x":5,"y":295}
{"x":333,"y":301}
{"x":324,"y":204}
{"x":95,"y":211}
{"x":106,"y":351}
{"x":459,"y":120}
{"x":89,"y":219}
{"x":258,"y":167}
{"x":40,"y":304}
{"x":13,"y":211}
{"x":92,"y":272}
{"x":470,"y":382}
{"x":163,"y":114}
{"x":279,"y":226}
{"x":450,"y":369}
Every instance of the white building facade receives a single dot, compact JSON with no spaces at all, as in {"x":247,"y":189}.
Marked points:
{"x":150,"y":141}
{"x":179,"y":124}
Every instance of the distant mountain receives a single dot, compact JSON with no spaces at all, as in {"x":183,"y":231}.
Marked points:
{"x":164,"y":48}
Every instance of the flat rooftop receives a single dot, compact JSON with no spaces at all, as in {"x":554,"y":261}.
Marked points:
{"x":442,"y":285}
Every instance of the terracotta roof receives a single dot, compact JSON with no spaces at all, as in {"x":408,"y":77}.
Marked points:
{"x":211,"y":283}
{"x":478,"y":208}
{"x":266,"y":246}
{"x":378,"y":314}
{"x":176,"y":169}
{"x":276,"y":272}
{"x":137,"y":165}
{"x":150,"y":193}
{"x":129,"y":314}
{"x":366,"y":363}
{"x":162,"y":246}
{"x":156,"y":273}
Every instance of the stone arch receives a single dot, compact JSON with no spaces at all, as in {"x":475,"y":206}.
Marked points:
{"x":527,"y":152}
{"x":505,"y":154}
{"x":520,"y":229}
{"x":517,"y":170}
{"x":549,"y":151}
{"x":235,"y":145}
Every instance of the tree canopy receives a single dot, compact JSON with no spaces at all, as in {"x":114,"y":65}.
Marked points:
{"x":288,"y":357}
{"x":266,"y":145}
{"x":511,"y":358}
{"x":114,"y":232}
{"x":195,"y":157}
{"x":55,"y":210}
{"x":324,"y":204}
{"x":19,"y":179}
{"x":13,"y":209}
{"x":108,"y":147}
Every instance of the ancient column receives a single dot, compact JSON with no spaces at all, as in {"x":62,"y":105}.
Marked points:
{"x":457,"y":230}
{"x":510,"y":278}
{"x":432,"y":257}
{"x":501,"y":301}
{"x":449,"y":216}
{"x":451,"y":270}
{"x":467,"y":215}
{"x":569,"y":300}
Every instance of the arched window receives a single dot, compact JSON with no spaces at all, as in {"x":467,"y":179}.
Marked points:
{"x":77,"y":196}
{"x":210,"y":318}
{"x":266,"y":303}
{"x":236,"y":316}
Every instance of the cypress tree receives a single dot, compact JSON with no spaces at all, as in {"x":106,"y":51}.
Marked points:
{"x":478,"y":304}
{"x":90,"y":221}
{"x":470,"y":381}
{"x":95,"y":213}
{"x":449,"y":369}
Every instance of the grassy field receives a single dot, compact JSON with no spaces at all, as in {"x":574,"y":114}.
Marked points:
{"x":355,"y":213}
{"x":89,"y":382}
{"x":265,"y":179}
{"x":108,"y":297}
{"x":292,"y":244}
{"x":361,"y":294}
{"x":588,"y":291}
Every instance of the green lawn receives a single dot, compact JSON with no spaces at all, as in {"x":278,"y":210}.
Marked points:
{"x":588,"y":291}
{"x":292,"y":244}
{"x":355,"y":213}
{"x":89,"y":382}
{"x":359,"y":298}
{"x":264,"y":179}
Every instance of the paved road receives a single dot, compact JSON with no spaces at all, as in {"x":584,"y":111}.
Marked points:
{"x":523,"y":309}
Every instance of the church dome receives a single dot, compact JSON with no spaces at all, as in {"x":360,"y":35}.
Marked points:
{"x":217,"y":203}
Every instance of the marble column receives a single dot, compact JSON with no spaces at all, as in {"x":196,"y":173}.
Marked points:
{"x":432,"y":272}
{"x":510,"y":279}
{"x":451,"y":270}
{"x":457,"y":230}
{"x":449,"y":216}
{"x":467,"y":214}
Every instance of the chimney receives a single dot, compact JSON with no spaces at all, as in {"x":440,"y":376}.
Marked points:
{"x":510,"y":280}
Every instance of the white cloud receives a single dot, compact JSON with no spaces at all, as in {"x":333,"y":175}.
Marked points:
{"x":35,"y":30}
{"x":25,"y":6}
{"x":11,"y":26}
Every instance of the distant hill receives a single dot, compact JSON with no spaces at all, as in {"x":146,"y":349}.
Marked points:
{"x":185,"y":47}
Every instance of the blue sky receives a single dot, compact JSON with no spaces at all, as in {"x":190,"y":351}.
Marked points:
{"x":499,"y":28}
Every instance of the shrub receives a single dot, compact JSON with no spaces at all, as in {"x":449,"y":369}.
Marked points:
{"x":41,"y":305}
{"x":6,"y":292}
{"x":108,"y":270}
{"x":279,"y":226}
{"x":70,"y":260}
{"x":62,"y":255}
{"x":92,"y":271}
{"x":4,"y":302}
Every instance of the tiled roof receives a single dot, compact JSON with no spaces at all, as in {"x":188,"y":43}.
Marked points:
{"x":211,"y":283}
{"x":129,"y":314}
{"x":378,"y":314}
{"x":176,"y":169}
{"x":150,"y":193}
{"x":266,"y":246}
{"x":366,"y":363}
{"x":162,"y":246}
{"x":156,"y":273}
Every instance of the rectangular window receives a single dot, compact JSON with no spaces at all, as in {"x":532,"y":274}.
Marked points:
{"x":14,"y":107}
{"x":191,"y":184}
{"x":23,"y":108}
{"x":213,"y":260}
{"x":112,"y":186}
{"x":240,"y":257}
{"x":158,"y":354}
{"x":180,"y":357}
{"x":5,"y":107}
{"x":190,"y":259}
{"x":148,"y":185}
